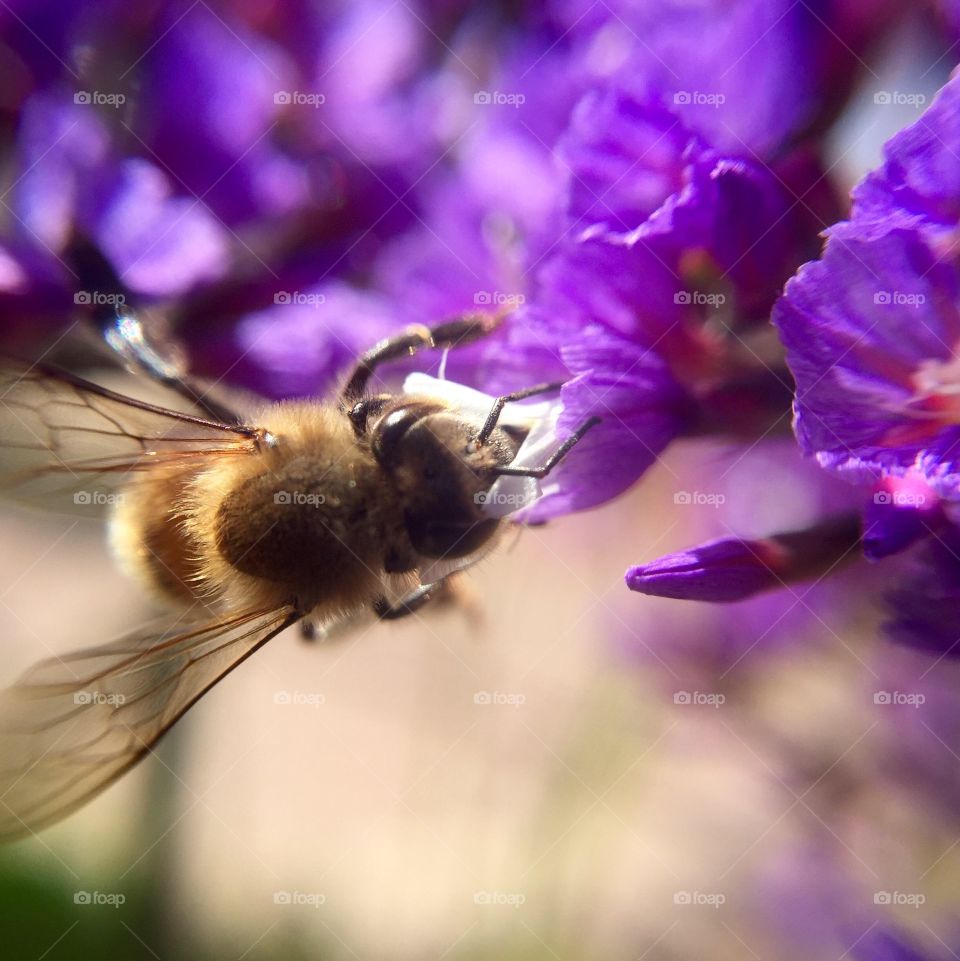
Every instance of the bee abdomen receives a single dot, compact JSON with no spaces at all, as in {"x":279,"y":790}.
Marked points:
{"x":150,"y":539}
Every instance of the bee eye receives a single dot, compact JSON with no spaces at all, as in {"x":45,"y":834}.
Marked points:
{"x":391,"y":430}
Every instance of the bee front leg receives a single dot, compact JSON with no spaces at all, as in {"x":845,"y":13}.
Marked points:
{"x":555,"y":458}
{"x":502,"y":401}
{"x":454,"y":333}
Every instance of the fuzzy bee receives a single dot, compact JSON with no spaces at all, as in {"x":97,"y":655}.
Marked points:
{"x":311,"y":512}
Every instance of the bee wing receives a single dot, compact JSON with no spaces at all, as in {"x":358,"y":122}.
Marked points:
{"x":65,"y":442}
{"x":72,"y":725}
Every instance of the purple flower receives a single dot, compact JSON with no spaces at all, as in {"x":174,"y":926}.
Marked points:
{"x":871,"y":332}
{"x":641,"y":406}
{"x":871,"y":328}
{"x":733,"y":569}
{"x":918,"y":185}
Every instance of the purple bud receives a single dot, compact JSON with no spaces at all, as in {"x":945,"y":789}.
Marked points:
{"x":733,"y":568}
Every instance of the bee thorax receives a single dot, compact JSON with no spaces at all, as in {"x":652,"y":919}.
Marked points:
{"x":312,"y":527}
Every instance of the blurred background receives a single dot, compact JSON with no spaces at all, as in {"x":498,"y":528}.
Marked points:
{"x":583,"y":774}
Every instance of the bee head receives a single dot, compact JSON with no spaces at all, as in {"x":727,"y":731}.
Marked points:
{"x":440,"y":473}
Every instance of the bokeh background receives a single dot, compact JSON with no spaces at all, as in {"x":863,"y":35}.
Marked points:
{"x":579,"y":773}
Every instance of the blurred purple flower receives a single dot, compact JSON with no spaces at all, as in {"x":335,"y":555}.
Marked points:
{"x":885,"y":945}
{"x":77,"y":180}
{"x":901,"y":511}
{"x":925,"y":605}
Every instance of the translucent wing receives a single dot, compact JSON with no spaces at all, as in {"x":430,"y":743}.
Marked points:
{"x":65,"y":443}
{"x":72,"y":725}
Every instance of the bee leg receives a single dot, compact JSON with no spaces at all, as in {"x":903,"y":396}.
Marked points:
{"x":140,"y":339}
{"x":454,"y":333}
{"x":410,"y":604}
{"x":127,"y":333}
{"x":555,"y":457}
{"x":491,"y":422}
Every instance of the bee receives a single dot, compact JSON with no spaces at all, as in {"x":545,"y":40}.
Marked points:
{"x":312,"y":512}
